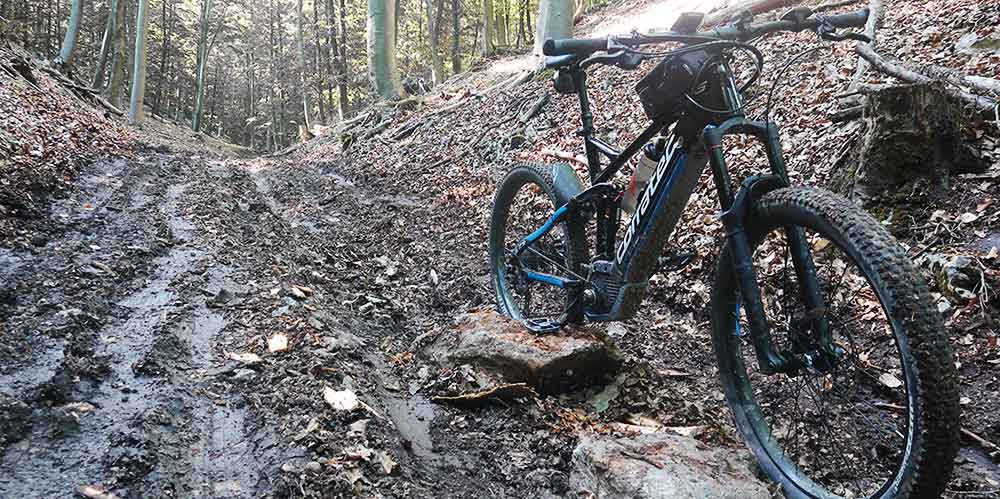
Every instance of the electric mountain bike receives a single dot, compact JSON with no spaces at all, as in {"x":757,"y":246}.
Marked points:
{"x":831,"y":354}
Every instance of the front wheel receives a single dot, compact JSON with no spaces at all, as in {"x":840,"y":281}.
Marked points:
{"x":881,"y":420}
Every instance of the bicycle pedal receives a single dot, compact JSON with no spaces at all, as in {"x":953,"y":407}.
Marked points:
{"x":675,"y":261}
{"x":543,"y":325}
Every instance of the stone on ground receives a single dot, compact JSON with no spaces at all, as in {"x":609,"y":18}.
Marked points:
{"x":660,"y":466}
{"x":549,"y":362}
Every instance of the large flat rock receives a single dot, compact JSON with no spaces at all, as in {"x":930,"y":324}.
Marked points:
{"x":660,"y":466}
{"x":550,"y":362}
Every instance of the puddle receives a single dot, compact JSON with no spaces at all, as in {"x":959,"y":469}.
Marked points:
{"x":413,"y":417}
{"x":44,"y":364}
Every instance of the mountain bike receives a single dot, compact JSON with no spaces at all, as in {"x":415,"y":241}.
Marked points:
{"x":833,"y":359}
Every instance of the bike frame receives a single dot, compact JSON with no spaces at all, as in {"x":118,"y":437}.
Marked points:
{"x":696,"y":140}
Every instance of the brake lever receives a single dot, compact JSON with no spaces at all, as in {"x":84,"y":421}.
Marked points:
{"x":604,"y":58}
{"x":827,"y":32}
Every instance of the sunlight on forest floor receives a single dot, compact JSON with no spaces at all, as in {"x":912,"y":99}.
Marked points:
{"x":640,"y":16}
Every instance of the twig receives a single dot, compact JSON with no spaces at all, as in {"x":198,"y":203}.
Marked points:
{"x":564,"y":155}
{"x":980,"y":440}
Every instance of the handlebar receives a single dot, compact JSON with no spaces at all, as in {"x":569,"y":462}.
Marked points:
{"x":586,"y":46}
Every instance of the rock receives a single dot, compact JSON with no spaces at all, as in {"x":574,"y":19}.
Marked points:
{"x":15,"y":419}
{"x":550,"y":363}
{"x":958,"y":277}
{"x":660,"y":466}
{"x":971,"y":43}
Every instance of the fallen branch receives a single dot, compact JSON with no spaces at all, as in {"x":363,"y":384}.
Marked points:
{"x":406,"y":130}
{"x":981,"y":441}
{"x":978,"y":83}
{"x":535,"y":108}
{"x":851,"y":113}
{"x":565,"y":155}
{"x":874,"y":17}
{"x":982,"y":104}
{"x":754,"y":6}
{"x":503,"y":392}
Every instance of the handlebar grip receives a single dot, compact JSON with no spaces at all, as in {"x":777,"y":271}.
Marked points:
{"x":579,"y":46}
{"x":854,"y":19}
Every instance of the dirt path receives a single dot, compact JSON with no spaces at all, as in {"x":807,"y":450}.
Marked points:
{"x":113,"y":358}
{"x":114,"y":365}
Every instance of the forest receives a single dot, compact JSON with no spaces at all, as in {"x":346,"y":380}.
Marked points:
{"x":252,"y":73}
{"x":707,"y":249}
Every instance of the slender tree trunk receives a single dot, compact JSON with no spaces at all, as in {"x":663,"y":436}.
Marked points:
{"x":306,"y":108}
{"x":381,"y":49}
{"x":456,"y":36}
{"x":168,"y":27}
{"x":318,"y":66}
{"x":487,"y":47}
{"x":345,"y":66}
{"x":106,"y":43}
{"x":201,"y":65}
{"x":117,"y":81}
{"x":137,"y":114}
{"x":434,"y":36}
{"x":520,"y":23}
{"x":65,"y":57}
{"x":501,"y":25}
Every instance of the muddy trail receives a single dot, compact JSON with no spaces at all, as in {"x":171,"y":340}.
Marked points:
{"x":135,"y":352}
{"x":123,"y":323}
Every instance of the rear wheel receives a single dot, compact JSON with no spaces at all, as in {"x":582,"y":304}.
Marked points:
{"x":522,"y":204}
{"x":882,"y":420}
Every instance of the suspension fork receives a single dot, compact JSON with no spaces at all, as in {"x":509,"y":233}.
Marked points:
{"x":735,"y":212}
{"x":805,"y":268}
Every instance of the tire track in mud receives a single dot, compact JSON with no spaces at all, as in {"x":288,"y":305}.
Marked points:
{"x":158,"y":420}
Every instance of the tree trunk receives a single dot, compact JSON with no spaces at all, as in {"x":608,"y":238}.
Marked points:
{"x":306,"y":108}
{"x":65,"y":57}
{"x":434,"y":36}
{"x":201,"y":65}
{"x":137,"y":114}
{"x":120,"y":59}
{"x":501,"y":24}
{"x":106,"y":43}
{"x":487,"y":47}
{"x":345,"y":67}
{"x":555,"y":20}
{"x":910,"y":131}
{"x":168,"y":27}
{"x":456,"y":34}
{"x":520,"y":24}
{"x":754,"y":6}
{"x":319,"y":78}
{"x":381,"y":49}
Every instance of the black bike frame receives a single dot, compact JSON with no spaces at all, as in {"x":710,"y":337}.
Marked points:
{"x":702,"y":133}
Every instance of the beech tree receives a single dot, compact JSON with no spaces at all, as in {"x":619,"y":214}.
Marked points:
{"x":487,"y":47}
{"x":65,"y":57}
{"x":201,"y":65}
{"x":382,"y":48}
{"x":137,"y":114}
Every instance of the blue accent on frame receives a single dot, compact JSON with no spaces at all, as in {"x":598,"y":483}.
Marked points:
{"x":555,"y":218}
{"x":545,"y":278}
